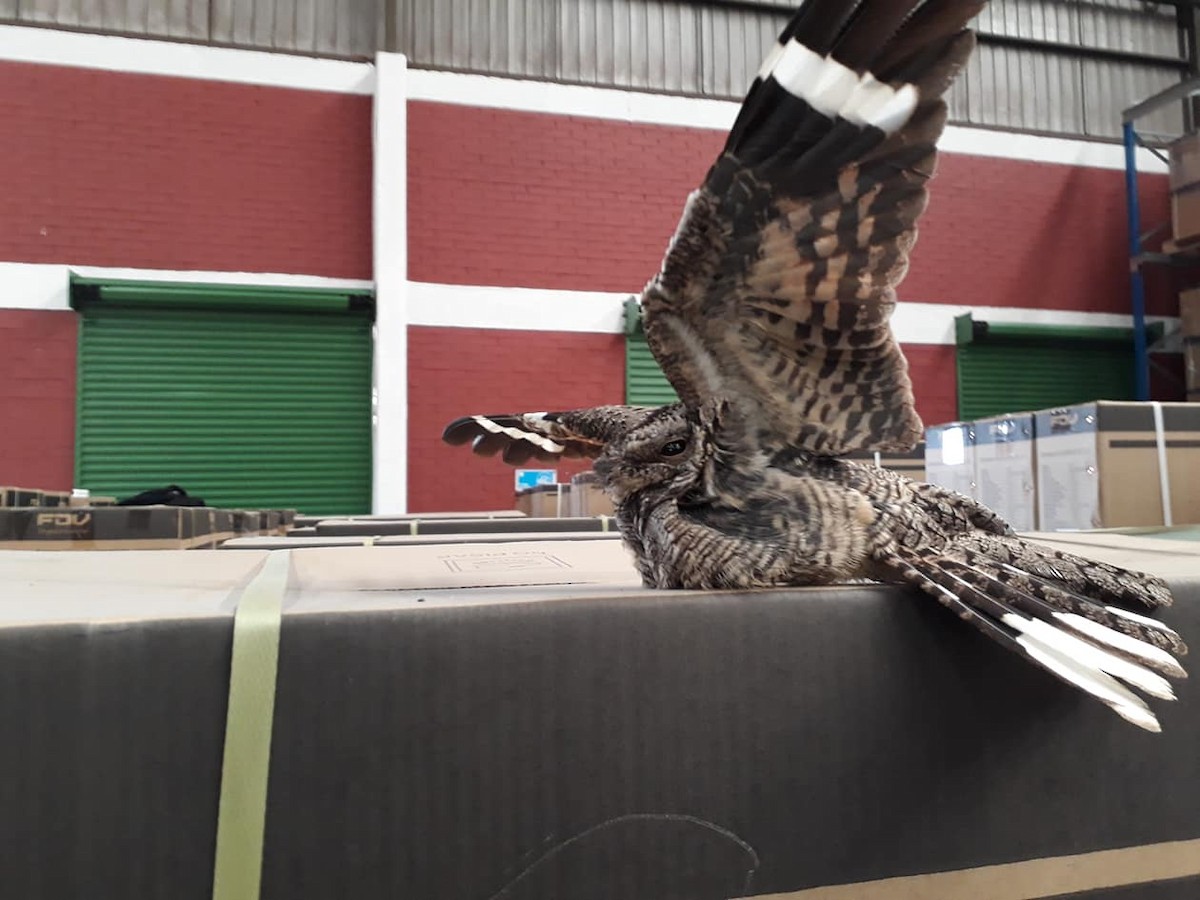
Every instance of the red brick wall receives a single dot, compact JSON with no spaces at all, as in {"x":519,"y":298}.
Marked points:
{"x":37,"y":398}
{"x":460,"y":371}
{"x":525,"y":199}
{"x":114,"y":169}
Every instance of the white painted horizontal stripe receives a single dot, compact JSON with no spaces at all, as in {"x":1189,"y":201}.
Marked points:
{"x":29,"y":286}
{"x":159,"y":57}
{"x":717,"y":115}
{"x":518,"y":309}
{"x":39,"y":286}
{"x":527,"y":309}
{"x":250,"y":279}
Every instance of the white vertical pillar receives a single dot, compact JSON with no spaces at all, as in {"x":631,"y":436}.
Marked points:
{"x":390,"y":253}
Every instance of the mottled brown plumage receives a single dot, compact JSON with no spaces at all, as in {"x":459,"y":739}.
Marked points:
{"x":770,"y":317}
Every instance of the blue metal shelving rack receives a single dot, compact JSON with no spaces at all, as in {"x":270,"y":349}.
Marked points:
{"x":1139,"y":257}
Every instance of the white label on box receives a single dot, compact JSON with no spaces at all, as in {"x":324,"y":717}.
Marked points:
{"x":1068,"y":486}
{"x":1004,"y":468}
{"x":950,"y":458}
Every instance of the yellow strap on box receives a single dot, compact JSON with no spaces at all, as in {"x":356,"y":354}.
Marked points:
{"x":242,"y":814}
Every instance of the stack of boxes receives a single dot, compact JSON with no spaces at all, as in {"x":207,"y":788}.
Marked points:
{"x":1094,"y":465}
{"x":581,"y":497}
{"x":52,"y":520}
{"x":1185,"y":190}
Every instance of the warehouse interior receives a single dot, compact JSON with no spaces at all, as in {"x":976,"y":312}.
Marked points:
{"x":283,"y":285}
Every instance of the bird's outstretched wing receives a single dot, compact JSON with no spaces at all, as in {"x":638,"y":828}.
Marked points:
{"x":546,"y":436}
{"x":777,"y":288}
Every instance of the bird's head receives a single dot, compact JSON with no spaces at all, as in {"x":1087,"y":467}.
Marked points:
{"x":670,"y":449}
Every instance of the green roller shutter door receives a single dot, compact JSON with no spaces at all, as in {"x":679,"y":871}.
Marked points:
{"x":645,"y":384}
{"x":1001,"y":378}
{"x":247,"y":407}
{"x":1011,"y":367}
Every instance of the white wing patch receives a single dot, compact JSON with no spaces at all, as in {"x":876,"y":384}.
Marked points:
{"x":834,"y":89}
{"x":518,"y":435}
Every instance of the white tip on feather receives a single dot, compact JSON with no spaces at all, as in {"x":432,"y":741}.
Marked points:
{"x":1123,"y":643}
{"x":1089,"y":655}
{"x":1141,"y":620}
{"x":1122,"y":701}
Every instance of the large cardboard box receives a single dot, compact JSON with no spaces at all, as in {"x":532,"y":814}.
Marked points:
{"x":545,"y":740}
{"x":1098,"y":465}
{"x":950,"y":457}
{"x":113,"y":528}
{"x":1004,"y":468}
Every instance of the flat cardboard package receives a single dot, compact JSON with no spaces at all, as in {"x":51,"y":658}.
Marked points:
{"x":566,"y":735}
{"x":416,"y":526}
{"x":1098,"y":465}
{"x":950,"y":457}
{"x":1004,"y":468}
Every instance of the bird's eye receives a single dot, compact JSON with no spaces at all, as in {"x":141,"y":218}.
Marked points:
{"x":673,"y":448}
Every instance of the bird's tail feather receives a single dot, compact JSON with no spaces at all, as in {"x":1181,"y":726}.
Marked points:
{"x":1097,"y":580}
{"x":1105,"y":652}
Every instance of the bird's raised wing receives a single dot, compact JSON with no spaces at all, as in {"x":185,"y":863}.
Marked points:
{"x":778,"y":286}
{"x":545,"y":436}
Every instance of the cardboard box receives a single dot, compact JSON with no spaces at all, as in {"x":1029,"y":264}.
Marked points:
{"x":535,"y":740}
{"x":1097,"y":465}
{"x":910,"y":465}
{"x":1185,"y":214}
{"x":1191,"y":364}
{"x":1004,"y":468}
{"x":1184,"y":162}
{"x":544,"y":500}
{"x":292,"y":540}
{"x":302,"y":521}
{"x":587,"y":498}
{"x":111,"y":528}
{"x":91,"y":500}
{"x":464,"y":526}
{"x":950,"y":457}
{"x":1189,"y":313}
{"x":17,"y":497}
